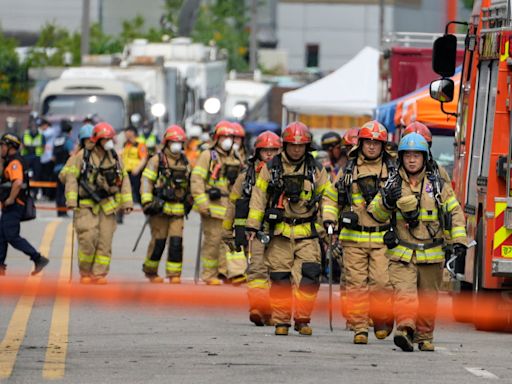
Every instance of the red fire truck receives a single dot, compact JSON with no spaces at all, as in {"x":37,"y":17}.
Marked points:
{"x":483,"y":158}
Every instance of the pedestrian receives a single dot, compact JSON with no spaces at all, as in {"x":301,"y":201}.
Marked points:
{"x":148,"y":137}
{"x":211,"y":182}
{"x":63,"y":146}
{"x":425,"y":216}
{"x":365,"y":264}
{"x":13,"y":198}
{"x":50,"y":132}
{"x":287,"y":197}
{"x":32,"y":149}
{"x":97,"y":185}
{"x":165,"y":197}
{"x":266,"y":146}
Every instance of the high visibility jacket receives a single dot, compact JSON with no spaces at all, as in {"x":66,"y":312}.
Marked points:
{"x":209,"y":173}
{"x":150,"y":141}
{"x":133,"y":154}
{"x":117,"y":196}
{"x":33,"y":145}
{"x":428,"y":218}
{"x":358,"y":237}
{"x":154,"y":177}
{"x":302,"y":209}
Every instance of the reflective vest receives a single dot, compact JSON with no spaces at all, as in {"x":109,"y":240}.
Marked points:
{"x":32,"y":145}
{"x":130,"y":155}
{"x":150,"y":142}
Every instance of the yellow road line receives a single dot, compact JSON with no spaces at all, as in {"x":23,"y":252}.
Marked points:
{"x":55,"y":360}
{"x":17,"y":327}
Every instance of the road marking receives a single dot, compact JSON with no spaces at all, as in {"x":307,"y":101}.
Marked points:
{"x":18,"y":325}
{"x":480,"y":372}
{"x":55,"y":360}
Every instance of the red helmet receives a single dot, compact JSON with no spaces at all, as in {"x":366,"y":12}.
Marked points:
{"x":296,"y":133}
{"x":373,"y":130}
{"x":268,"y":139}
{"x":174,"y":133}
{"x":102,"y":131}
{"x":223,"y":128}
{"x":239,"y":130}
{"x":420,"y":128}
{"x":351,"y":137}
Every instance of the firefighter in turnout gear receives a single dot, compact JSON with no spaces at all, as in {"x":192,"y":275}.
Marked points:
{"x":425,"y":216}
{"x":365,"y":265}
{"x":211,"y":182}
{"x":285,"y":200}
{"x":97,"y":186}
{"x":165,"y":198}
{"x":239,"y":142}
{"x":267,"y":145}
{"x":14,"y":180}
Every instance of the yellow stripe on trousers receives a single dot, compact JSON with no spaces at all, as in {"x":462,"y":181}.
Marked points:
{"x":55,"y":360}
{"x":18,"y":325}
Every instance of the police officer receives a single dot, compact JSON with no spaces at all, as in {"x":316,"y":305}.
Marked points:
{"x":97,"y":186}
{"x":266,"y":146}
{"x":211,"y":182}
{"x":365,"y":265}
{"x":165,"y":198}
{"x":425,"y":215}
{"x":287,"y":196}
{"x":13,"y":198}
{"x":62,"y":148}
{"x":33,"y":148}
{"x":148,"y":137}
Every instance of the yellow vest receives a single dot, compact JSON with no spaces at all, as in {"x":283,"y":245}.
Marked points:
{"x":130,"y":156}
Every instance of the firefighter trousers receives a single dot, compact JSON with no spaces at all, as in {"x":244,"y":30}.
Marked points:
{"x":212,"y":247}
{"x":294,"y":271}
{"x":416,"y":288}
{"x":258,"y":280}
{"x":367,"y":287}
{"x":95,"y":233}
{"x":165,"y":227}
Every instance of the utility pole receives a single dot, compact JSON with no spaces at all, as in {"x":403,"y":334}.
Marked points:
{"x":253,"y":44}
{"x":381,"y":23}
{"x":84,"y":43}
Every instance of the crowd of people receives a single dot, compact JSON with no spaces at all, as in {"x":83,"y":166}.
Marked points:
{"x":271,"y":215}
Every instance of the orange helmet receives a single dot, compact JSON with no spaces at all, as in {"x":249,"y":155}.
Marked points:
{"x":102,"y":131}
{"x":223,"y":128}
{"x":268,"y":139}
{"x":420,"y":128}
{"x":174,"y":133}
{"x":239,"y":130}
{"x":296,"y":133}
{"x":373,"y":130}
{"x":350,"y":137}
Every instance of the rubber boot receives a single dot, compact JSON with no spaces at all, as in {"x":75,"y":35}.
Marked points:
{"x":361,"y":338}
{"x":214,"y":281}
{"x":85,"y":280}
{"x":257,"y":318}
{"x":238,"y":280}
{"x":382,"y":330}
{"x":426,"y":346}
{"x":282,"y":329}
{"x":303,"y":329}
{"x":175,"y":280}
{"x":100,"y":280}
{"x":155,"y":279}
{"x":403,"y":339}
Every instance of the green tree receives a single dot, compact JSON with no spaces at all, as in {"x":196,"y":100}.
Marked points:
{"x":13,"y":74}
{"x":101,"y":43}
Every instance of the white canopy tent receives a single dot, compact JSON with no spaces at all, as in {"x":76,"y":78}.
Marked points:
{"x":351,"y":90}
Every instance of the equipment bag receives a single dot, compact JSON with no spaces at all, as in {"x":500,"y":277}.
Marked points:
{"x":29,"y":213}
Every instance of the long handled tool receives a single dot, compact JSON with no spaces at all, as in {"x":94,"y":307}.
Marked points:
{"x":72,"y":248}
{"x":141,"y":233}
{"x":198,"y":254}
{"x":330,"y":232}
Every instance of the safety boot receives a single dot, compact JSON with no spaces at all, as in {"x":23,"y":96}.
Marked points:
{"x":155,"y":279}
{"x":214,"y":281}
{"x":426,"y":346}
{"x":403,"y":339}
{"x":100,"y":280}
{"x":267,"y":320}
{"x":85,"y":280}
{"x":2,"y":270}
{"x":238,"y":280}
{"x":281,"y":329}
{"x":257,"y":318}
{"x":303,"y":329}
{"x":175,"y":280}
{"x":39,"y":264}
{"x":361,"y":337}
{"x":382,"y":330}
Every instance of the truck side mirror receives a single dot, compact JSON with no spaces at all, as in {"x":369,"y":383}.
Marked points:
{"x":444,"y":55}
{"x":442,"y":90}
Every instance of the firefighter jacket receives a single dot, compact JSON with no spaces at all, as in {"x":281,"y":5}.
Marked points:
{"x":166,"y":177}
{"x":212,"y":179}
{"x":133,"y":154}
{"x":33,"y":145}
{"x":368,"y":176}
{"x":96,"y":179}
{"x":299,"y":213}
{"x":428,"y":236}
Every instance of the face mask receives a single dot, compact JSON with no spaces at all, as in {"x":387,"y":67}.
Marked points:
{"x":236,"y":147}
{"x":109,"y":145}
{"x":175,"y":148}
{"x":227,"y":144}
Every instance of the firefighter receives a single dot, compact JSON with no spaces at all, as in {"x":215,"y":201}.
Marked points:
{"x":97,"y":186}
{"x":266,"y":146}
{"x":149,"y":138}
{"x":239,"y":142}
{"x":331,"y":143}
{"x":13,"y":198}
{"x":211,"y":182}
{"x":62,"y":148}
{"x":425,"y":215}
{"x":164,"y":194}
{"x":84,"y":141}
{"x":286,"y":197}
{"x":364,"y":262}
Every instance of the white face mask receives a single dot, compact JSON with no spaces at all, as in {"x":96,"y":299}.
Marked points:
{"x":175,"y":147}
{"x":227,"y":144}
{"x":109,"y":145}
{"x":236,"y":147}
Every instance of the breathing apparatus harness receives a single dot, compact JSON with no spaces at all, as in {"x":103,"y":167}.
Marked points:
{"x":230,"y":171}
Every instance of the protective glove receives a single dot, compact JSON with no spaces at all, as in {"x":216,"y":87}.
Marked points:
{"x":337,"y":250}
{"x":460,"y":250}
{"x":152,"y":208}
{"x":229,"y":241}
{"x":390,"y":195}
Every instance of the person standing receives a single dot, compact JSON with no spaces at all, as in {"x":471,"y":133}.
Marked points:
{"x":33,"y":148}
{"x":63,"y":146}
{"x":148,"y":137}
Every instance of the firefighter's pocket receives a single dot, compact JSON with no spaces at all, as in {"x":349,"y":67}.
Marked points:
{"x":307,"y":192}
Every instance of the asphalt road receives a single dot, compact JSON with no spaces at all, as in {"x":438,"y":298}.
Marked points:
{"x":77,"y":341}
